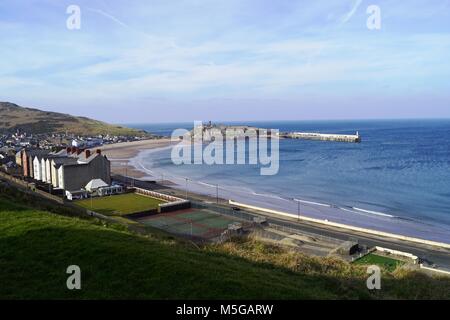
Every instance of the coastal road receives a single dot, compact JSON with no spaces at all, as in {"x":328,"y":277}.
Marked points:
{"x":430,"y":254}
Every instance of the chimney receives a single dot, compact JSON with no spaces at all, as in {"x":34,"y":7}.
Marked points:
{"x":87,"y":153}
{"x":98,"y":151}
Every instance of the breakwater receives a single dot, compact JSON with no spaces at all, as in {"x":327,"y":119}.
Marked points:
{"x":354,"y":138}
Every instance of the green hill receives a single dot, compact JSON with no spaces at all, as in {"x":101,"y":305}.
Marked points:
{"x":37,"y":246}
{"x":13,"y":117}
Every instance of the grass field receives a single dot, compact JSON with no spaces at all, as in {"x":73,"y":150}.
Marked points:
{"x":120,"y":204}
{"x":385,"y":262}
{"x":37,"y":246}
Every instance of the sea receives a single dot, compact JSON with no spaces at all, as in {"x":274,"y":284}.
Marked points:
{"x":396,"y":180}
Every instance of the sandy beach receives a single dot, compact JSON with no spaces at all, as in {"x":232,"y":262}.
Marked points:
{"x":120,"y":155}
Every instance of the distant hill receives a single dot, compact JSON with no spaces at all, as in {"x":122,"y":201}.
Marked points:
{"x":13,"y":117}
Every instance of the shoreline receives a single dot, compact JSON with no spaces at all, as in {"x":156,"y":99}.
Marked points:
{"x":121,"y":155}
{"x":129,"y":156}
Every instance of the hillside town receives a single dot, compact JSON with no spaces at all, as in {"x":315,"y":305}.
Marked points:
{"x":21,"y":139}
{"x":61,"y":164}
{"x":13,"y":143}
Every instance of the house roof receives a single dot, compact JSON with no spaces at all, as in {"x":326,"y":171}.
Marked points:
{"x":36,"y":152}
{"x":82,"y":159}
{"x":61,"y":153}
{"x":95,"y":184}
{"x":64,"y":161}
{"x":62,"y":157}
{"x":11,"y":164}
{"x":51,"y":156}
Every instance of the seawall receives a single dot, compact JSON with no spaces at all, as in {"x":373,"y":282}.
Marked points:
{"x":355,"y":138}
{"x":344,"y":226}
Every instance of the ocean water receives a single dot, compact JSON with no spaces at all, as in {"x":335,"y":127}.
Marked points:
{"x":396,"y":179}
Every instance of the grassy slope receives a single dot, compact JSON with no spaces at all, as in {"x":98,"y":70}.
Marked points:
{"x":120,"y":204}
{"x":36,"y":247}
{"x":36,"y":121}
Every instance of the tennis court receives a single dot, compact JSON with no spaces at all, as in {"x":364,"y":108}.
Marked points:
{"x":201,"y":223}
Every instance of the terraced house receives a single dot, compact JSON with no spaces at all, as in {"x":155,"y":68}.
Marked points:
{"x":70,"y":169}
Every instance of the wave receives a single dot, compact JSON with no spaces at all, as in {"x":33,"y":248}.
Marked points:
{"x":273,"y":196}
{"x":315,"y":203}
{"x":206,"y":184}
{"x":374,"y":212}
{"x":360,"y":211}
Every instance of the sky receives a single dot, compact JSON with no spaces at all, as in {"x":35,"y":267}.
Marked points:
{"x":183,"y":60}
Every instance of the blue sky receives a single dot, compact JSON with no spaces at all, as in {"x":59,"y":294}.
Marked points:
{"x":181,"y":60}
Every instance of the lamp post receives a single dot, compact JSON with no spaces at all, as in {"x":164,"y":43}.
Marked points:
{"x":91,"y":194}
{"x":298,"y":207}
{"x":187,"y":187}
{"x":217,"y":193}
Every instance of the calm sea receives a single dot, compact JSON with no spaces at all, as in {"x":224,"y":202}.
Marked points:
{"x":401,"y":168}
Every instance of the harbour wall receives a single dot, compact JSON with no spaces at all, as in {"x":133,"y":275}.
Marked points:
{"x":355,"y":138}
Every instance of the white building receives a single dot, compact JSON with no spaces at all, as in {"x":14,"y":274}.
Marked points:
{"x":43,"y":170}
{"x":72,"y":169}
{"x":78,"y":143}
{"x":95,"y":184}
{"x":75,"y":195}
{"x":37,"y":168}
{"x":100,"y":188}
{"x":48,"y":170}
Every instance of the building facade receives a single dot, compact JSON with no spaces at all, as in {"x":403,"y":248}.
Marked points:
{"x":70,"y":169}
{"x":89,"y":166}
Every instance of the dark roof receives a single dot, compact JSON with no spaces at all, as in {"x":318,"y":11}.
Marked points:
{"x":36,"y":152}
{"x":61,"y":157}
{"x":82,"y":157}
{"x":62,"y":152}
{"x":64,"y":161}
